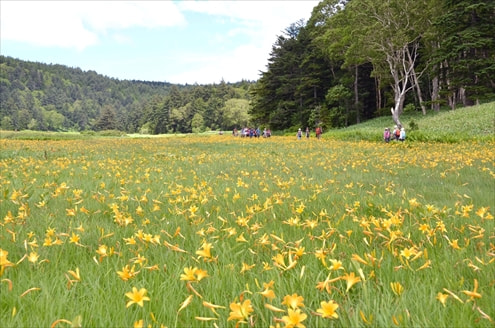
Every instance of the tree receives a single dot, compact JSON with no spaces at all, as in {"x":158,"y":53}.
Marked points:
{"x":107,"y":119}
{"x":465,"y":50}
{"x":388,"y":34}
{"x":235,"y":114}
{"x":197,"y":123}
{"x":339,"y":96}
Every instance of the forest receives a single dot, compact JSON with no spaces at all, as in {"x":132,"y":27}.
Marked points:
{"x":350,"y":62}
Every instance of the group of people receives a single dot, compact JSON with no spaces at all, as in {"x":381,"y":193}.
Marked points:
{"x":252,"y":132}
{"x":398,"y":134}
{"x":318,"y":132}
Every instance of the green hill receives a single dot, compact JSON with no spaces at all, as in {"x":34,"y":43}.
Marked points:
{"x":469,"y":123}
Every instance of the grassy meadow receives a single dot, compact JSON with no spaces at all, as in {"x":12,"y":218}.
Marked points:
{"x":105,"y":230}
{"x":217,"y":231}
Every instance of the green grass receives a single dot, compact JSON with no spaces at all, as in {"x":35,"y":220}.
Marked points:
{"x":462,"y":124}
{"x":361,"y":198}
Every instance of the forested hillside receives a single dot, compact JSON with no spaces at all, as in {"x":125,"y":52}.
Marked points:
{"x":358,"y":59}
{"x":43,"y":97}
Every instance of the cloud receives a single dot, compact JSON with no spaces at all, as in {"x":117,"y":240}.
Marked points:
{"x":242,"y":48}
{"x":79,"y":24}
{"x":265,"y":18}
{"x":243,"y":62}
{"x":262,"y":21}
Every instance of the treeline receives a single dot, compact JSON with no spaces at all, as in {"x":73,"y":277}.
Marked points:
{"x":44,"y":97}
{"x":354,"y":60}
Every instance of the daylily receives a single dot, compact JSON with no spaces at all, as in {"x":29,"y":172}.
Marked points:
{"x":442,"y":297}
{"x":247,"y":267}
{"x":127,"y":273}
{"x":205,"y":250}
{"x":396,"y":288}
{"x":4,"y":262}
{"x":293,"y":301}
{"x":351,"y":280}
{"x":33,"y":257}
{"x":473,"y":294}
{"x":240,"y":311}
{"x":294,"y":318}
{"x":336,"y":265}
{"x":328,"y":309}
{"x":137,"y":297}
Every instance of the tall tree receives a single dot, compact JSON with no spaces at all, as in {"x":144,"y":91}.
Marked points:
{"x":465,"y":52}
{"x":107,"y":119}
{"x":388,"y":34}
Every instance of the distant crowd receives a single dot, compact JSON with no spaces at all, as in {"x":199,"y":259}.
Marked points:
{"x":252,"y":133}
{"x":398,"y":134}
{"x":267,"y":133}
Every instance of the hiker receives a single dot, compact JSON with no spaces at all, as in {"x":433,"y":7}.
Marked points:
{"x":307,"y":133}
{"x":319,"y":131}
{"x":396,"y":133}
{"x":299,"y":134}
{"x":386,"y":135}
{"x":402,"y":135}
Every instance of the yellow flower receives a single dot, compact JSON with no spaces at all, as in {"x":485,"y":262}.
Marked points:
{"x":102,"y":250}
{"x":484,"y":214}
{"x":293,"y":301}
{"x":48,"y":241}
{"x":273,"y":308}
{"x":247,"y":267}
{"x":4,"y":262}
{"x":193,"y":274}
{"x":454,"y":244}
{"x":205,"y":250}
{"x":127,"y":273}
{"x":137,"y":297}
{"x":442,"y":298}
{"x":396,"y":288}
{"x":74,"y":239}
{"x":33,"y":257}
{"x":189,"y":274}
{"x":268,"y":293}
{"x":70,"y":211}
{"x":200,"y":274}
{"x":294,"y":318}
{"x":336,"y":265}
{"x":473,"y":294}
{"x":408,"y":252}
{"x":300,"y":208}
{"x":328,"y":309}
{"x":75,"y":274}
{"x":240,"y":311}
{"x":351,"y":280}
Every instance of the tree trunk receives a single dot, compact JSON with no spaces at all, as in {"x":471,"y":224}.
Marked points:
{"x":418,"y":91}
{"x":356,"y":93}
{"x":435,"y":105}
{"x":378,"y":94}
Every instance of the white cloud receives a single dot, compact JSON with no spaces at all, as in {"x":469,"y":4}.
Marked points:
{"x":78,"y":24}
{"x":263,"y":21}
{"x":243,"y":62}
{"x":82,"y":24}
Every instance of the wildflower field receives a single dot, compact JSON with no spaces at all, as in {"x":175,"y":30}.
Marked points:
{"x":217,"y":231}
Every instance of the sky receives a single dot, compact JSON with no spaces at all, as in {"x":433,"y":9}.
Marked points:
{"x":181,"y":42}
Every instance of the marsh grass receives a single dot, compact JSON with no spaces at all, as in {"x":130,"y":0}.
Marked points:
{"x":252,"y":200}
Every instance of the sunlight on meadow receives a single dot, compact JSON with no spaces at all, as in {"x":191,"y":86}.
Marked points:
{"x":222,"y":231}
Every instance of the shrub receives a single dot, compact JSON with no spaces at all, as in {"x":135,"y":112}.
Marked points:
{"x":111,"y":133}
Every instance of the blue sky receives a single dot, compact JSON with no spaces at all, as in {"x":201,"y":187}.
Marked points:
{"x":172,"y":41}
